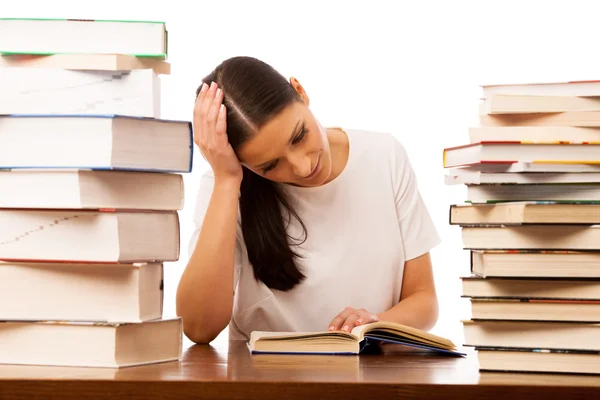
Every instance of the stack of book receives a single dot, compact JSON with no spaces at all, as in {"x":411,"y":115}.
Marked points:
{"x":531,"y":223}
{"x":90,"y":189}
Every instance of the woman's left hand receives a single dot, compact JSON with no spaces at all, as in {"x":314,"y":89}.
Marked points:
{"x":351,"y":318}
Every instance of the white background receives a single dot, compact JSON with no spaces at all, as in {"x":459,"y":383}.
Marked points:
{"x":411,"y":68}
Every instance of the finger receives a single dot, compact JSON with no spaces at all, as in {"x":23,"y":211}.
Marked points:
{"x":213,"y":111}
{"x":213,"y":117}
{"x":202,"y":93}
{"x":350,"y":322}
{"x":366,"y":318}
{"x":197,"y":120}
{"x":209,"y":97}
{"x":207,"y":102}
{"x":200,"y":100}
{"x":337,"y":322}
{"x":221,"y":127}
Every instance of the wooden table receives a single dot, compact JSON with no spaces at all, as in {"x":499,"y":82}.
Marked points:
{"x":230,"y":372}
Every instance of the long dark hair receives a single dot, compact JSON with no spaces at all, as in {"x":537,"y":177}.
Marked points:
{"x":254,"y":93}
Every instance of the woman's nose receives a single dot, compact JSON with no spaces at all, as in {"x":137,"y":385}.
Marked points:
{"x":301,"y":165}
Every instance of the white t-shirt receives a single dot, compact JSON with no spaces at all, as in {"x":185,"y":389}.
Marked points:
{"x":362,"y":227}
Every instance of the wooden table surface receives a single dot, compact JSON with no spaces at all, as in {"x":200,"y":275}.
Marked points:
{"x":230,"y":372}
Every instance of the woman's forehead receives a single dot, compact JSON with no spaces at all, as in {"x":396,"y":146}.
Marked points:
{"x":274,"y":136}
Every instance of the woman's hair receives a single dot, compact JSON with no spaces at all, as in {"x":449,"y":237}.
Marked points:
{"x":254,"y":93}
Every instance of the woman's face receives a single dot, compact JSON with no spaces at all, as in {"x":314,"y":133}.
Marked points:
{"x":291,"y":148}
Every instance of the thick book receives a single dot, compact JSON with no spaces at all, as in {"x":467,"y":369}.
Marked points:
{"x":89,"y":236}
{"x":524,"y":213}
{"x":524,"y":178}
{"x":569,"y":118}
{"x":532,"y":334}
{"x":95,"y":142}
{"x":550,"y":192}
{"x":509,"y":152}
{"x":538,"y":360}
{"x":81,"y":292}
{"x":535,"y":264}
{"x":565,"y":88}
{"x":85,"y":62}
{"x":544,"y":134}
{"x":57,"y":91}
{"x":532,"y":237}
{"x":81,"y":189}
{"x":528,"y":309}
{"x":354,"y":342}
{"x":83,"y":36}
{"x":506,"y":167}
{"x":523,"y":104}
{"x":90,"y":344}
{"x":530,"y":288}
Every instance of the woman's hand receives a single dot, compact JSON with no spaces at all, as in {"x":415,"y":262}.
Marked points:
{"x":210,"y":134}
{"x":351,"y":318}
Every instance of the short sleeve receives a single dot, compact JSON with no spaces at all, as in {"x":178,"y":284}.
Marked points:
{"x":418,"y":231}
{"x":205,"y":189}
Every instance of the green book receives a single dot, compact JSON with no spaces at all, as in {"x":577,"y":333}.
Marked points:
{"x":46,"y":36}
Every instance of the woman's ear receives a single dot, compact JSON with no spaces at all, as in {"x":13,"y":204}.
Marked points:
{"x":298,"y":87}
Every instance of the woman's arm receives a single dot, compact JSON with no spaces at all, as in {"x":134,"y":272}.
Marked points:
{"x":204,"y":297}
{"x":418,"y":306}
{"x":205,"y":293}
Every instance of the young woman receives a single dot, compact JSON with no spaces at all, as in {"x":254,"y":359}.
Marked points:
{"x":299,"y":227}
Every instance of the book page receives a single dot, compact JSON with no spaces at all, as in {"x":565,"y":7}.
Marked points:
{"x":264,"y":335}
{"x":404,"y":331}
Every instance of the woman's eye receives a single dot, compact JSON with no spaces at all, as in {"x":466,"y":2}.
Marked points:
{"x":301,"y":136}
{"x":270,"y":167}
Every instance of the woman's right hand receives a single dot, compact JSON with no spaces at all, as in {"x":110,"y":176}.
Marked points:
{"x":210,"y":134}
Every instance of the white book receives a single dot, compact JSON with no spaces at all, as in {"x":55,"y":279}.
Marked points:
{"x":523,"y":104}
{"x":536,"y":264}
{"x":86,"y":62}
{"x":578,"y":289}
{"x":570,"y":88}
{"x":568,"y":192}
{"x":532,"y":335}
{"x":81,"y":292}
{"x":518,"y":167}
{"x":539,"y":360}
{"x":89,"y":236}
{"x":478,"y":178}
{"x":539,"y":134}
{"x":508,"y":152}
{"x":527,"y":212}
{"x":57,"y":91}
{"x":527,"y":309}
{"x":79,"y":189}
{"x":95,"y":142}
{"x":568,"y":118}
{"x":532,"y":237}
{"x":51,"y":36}
{"x":87,"y":344}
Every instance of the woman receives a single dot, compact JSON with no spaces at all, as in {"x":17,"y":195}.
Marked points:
{"x":331,"y":231}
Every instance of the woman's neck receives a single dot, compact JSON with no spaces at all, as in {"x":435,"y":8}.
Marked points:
{"x":339,"y":146}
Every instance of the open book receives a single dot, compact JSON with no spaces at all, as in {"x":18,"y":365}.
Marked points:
{"x":354,"y":342}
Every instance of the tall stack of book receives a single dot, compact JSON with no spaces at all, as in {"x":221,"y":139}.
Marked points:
{"x":90,"y":189}
{"x":530,"y":222}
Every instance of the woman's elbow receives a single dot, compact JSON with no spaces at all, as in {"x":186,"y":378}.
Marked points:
{"x":432,"y":314}
{"x":199,"y":337}
{"x":197,"y":334}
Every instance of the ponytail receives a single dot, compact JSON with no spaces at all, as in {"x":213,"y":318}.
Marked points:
{"x":265,"y":235}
